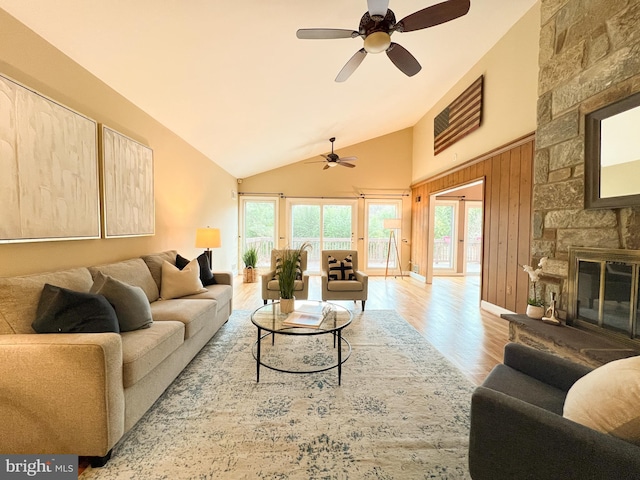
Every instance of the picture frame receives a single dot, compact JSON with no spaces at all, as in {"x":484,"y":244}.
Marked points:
{"x":49,"y":187}
{"x":127,"y":186}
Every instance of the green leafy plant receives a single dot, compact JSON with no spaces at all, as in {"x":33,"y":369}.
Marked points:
{"x":250,"y":257}
{"x":288,"y":271}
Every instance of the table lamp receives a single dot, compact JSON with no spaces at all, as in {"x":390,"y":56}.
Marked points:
{"x":208,"y":238}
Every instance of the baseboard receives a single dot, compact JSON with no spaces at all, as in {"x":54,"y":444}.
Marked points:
{"x":494,"y":309}
{"x":417,"y":276}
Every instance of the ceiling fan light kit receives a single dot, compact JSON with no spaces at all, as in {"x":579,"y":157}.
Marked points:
{"x":379,"y":23}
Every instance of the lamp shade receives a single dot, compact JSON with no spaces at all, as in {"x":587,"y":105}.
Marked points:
{"x":391,"y":223}
{"x":208,"y":238}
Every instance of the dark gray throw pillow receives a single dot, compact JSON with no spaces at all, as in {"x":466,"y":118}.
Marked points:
{"x":61,"y":310}
{"x":206,"y":275}
{"x":130,"y":302}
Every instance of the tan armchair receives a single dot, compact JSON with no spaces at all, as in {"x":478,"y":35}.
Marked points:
{"x":270,"y":288}
{"x":338,"y":289}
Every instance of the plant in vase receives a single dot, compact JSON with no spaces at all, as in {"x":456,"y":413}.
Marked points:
{"x":288,"y":271}
{"x":535,"y":306}
{"x":250,"y":259}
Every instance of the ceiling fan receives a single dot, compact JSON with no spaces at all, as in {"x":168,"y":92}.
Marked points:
{"x":379,"y":23}
{"x":333,"y":159}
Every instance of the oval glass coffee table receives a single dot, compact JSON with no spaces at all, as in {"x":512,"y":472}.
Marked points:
{"x":310,"y":318}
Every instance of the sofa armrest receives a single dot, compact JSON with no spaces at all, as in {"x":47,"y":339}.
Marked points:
{"x":223,"y":278}
{"x":546,"y":367}
{"x":510,"y":438}
{"x":362,"y":278}
{"x":61,"y":393}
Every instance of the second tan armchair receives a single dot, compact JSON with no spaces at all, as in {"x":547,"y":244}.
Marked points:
{"x":341,"y":279}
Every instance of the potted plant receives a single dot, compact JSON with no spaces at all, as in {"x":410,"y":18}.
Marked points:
{"x":250,"y":258}
{"x":288,"y":273}
{"x":535,"y":306}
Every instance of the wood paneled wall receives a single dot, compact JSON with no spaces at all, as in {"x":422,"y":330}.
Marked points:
{"x":507,"y":173}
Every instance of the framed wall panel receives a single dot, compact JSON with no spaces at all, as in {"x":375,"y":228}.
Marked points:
{"x":128,"y":197}
{"x":49,"y":186}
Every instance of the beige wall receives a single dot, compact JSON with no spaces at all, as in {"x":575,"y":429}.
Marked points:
{"x":190,"y":190}
{"x":383,"y":167}
{"x":510,"y":72}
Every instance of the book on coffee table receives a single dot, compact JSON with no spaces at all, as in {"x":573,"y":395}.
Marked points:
{"x":301,"y":319}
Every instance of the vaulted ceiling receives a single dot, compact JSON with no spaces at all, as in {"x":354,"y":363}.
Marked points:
{"x":232,"y":79}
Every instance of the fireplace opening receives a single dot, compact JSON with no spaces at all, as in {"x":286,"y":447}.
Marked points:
{"x":603,"y":290}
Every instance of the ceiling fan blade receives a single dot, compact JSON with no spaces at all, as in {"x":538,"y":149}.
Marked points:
{"x":402,"y":59}
{"x":322,"y":33}
{"x":346,"y":165}
{"x":347,"y":159}
{"x":353,"y":63}
{"x":317,"y":161}
{"x":434,"y":15}
{"x":326,"y":166}
{"x":378,"y":7}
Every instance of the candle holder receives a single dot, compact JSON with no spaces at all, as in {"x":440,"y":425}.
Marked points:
{"x":550,"y":314}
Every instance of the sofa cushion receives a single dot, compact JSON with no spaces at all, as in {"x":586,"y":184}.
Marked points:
{"x":134,"y":272}
{"x":221,"y":293}
{"x":607,"y":399}
{"x":177,"y":283}
{"x":19,"y":296}
{"x":206,"y":275}
{"x":144,"y":350}
{"x":61,"y":310}
{"x":523,"y":387}
{"x":194,"y":314}
{"x":345,"y":286}
{"x":129,"y":302}
{"x":154,"y":263}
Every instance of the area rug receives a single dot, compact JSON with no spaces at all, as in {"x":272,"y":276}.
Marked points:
{"x":402,"y":411}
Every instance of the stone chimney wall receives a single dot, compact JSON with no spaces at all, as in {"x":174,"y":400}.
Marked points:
{"x":589,"y":58}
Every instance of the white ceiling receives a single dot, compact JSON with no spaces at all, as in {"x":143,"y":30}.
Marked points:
{"x":232,"y":79}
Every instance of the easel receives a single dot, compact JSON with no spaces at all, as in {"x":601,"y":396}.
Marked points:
{"x":392,"y":224}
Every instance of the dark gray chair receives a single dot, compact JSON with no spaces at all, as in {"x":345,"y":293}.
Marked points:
{"x":518,"y":431}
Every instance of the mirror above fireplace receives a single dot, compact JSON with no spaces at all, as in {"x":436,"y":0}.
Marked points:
{"x":612,"y":155}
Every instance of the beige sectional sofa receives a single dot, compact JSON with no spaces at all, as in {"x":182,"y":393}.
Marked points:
{"x":79,"y":393}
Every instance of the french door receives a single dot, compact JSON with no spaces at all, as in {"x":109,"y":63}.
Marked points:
{"x":325,"y":224}
{"x":381,"y":245}
{"x":258,"y":227}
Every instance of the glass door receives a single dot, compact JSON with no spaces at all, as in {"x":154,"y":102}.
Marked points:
{"x":258,"y":227}
{"x":378,"y":238}
{"x":444,"y":237}
{"x":472,"y":237}
{"x":326,"y":225}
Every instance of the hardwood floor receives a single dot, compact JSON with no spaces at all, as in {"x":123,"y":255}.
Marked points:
{"x":446,"y":313}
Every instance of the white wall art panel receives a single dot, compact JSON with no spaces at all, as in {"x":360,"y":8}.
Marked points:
{"x":127,"y":168}
{"x":48,"y":169}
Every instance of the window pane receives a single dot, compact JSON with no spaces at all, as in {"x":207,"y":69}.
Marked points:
{"x":336,"y":227}
{"x":378,"y":236}
{"x":444,"y":229}
{"x":259,"y":229}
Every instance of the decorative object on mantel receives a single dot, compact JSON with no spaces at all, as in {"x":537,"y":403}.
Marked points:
{"x":459,"y":119}
{"x":550,"y":314}
{"x":288,"y":272}
{"x":250,"y":259}
{"x":535,"y":307}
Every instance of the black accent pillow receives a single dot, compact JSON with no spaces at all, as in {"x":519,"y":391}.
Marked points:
{"x":206,"y":275}
{"x":61,"y":310}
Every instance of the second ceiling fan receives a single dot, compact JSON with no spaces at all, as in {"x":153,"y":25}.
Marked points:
{"x":333,"y":159}
{"x":379,"y":23}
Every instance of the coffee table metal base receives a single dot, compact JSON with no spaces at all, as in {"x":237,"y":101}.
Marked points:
{"x":337,"y":335}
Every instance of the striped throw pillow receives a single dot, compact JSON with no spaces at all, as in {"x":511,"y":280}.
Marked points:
{"x":279,"y":268}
